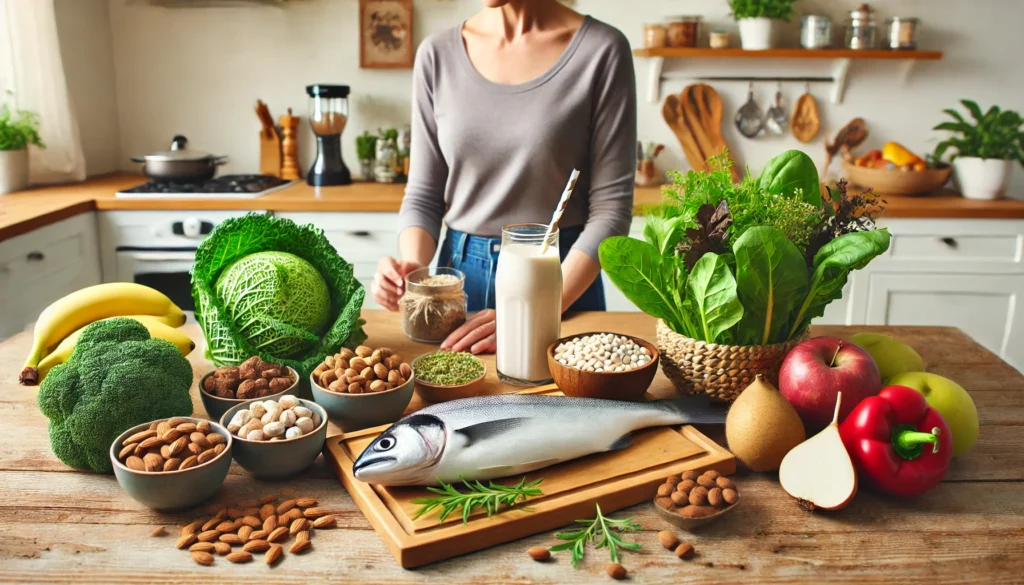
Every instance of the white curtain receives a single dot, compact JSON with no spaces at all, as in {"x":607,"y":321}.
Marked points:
{"x":31,"y":67}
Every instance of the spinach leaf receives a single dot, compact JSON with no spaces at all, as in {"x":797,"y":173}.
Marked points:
{"x":711,"y":297}
{"x":636,"y":268}
{"x":832,"y":265}
{"x":663,"y":232}
{"x":790,"y":171}
{"x":771,"y":279}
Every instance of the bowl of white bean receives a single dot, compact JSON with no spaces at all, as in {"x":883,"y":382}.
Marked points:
{"x":603,"y":365}
{"x":276,"y":439}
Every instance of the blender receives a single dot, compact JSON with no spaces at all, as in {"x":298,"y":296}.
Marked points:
{"x":329,"y":112}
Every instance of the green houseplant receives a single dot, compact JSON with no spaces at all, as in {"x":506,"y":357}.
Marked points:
{"x":366,"y":147}
{"x":984,"y":149}
{"x":757,"y":20}
{"x":18,"y":130}
{"x":742,"y":269}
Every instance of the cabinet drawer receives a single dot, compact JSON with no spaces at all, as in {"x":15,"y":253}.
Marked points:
{"x":986,"y":248}
{"x":358,"y":237}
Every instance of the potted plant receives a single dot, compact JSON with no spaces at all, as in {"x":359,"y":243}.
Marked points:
{"x":984,"y":150}
{"x":757,"y":20}
{"x":18,"y":129}
{"x":735,"y":273}
{"x":366,"y":148}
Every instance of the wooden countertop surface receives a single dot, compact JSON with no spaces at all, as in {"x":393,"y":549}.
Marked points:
{"x":25,"y":211}
{"x":62,"y":526}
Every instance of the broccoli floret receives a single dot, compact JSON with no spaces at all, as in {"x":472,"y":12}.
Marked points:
{"x":117,"y":377}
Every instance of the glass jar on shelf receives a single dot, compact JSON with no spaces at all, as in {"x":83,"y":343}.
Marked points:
{"x":684,"y":31}
{"x":861,"y":29}
{"x":655,"y":36}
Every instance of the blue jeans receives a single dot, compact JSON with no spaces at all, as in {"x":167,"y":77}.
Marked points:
{"x":477,"y":257}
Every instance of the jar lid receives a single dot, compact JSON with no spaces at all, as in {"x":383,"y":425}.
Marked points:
{"x":327,"y":91}
{"x":896,"y":19}
{"x":812,"y":17}
{"x":685,"y":18}
{"x":862,"y":12}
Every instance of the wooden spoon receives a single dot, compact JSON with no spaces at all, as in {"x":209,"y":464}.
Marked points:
{"x":692,"y":119}
{"x":848,"y":138}
{"x":670,"y":112}
{"x":711,"y":110}
{"x":806,"y":122}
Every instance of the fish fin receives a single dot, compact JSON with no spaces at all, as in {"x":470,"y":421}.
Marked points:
{"x":490,"y":429}
{"x":621,"y":443}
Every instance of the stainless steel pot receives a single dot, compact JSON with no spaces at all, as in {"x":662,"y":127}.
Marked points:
{"x":180,"y":163}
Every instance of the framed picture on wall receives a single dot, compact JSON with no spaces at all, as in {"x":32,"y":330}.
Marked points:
{"x":385,"y":34}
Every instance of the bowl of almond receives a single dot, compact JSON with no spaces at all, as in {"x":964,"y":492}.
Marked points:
{"x":363,"y":388}
{"x":693,"y":499}
{"x":172,"y":464}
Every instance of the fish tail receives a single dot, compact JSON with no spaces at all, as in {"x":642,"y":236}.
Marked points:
{"x":695,"y":409}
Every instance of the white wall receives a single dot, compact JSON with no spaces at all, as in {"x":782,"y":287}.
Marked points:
{"x":86,"y":44}
{"x":199,"y":71}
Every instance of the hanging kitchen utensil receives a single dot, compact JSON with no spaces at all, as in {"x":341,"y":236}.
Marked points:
{"x":749,"y":118}
{"x":709,"y":104}
{"x":847,"y":139}
{"x":180,"y":163}
{"x":670,"y":112}
{"x":691,"y":116}
{"x":806,"y":122}
{"x":776,"y":119}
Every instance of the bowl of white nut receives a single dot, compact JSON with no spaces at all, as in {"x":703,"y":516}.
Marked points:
{"x":276,"y":439}
{"x":603,"y":365}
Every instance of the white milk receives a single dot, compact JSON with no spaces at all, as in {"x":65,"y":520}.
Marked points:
{"x":528,"y":290}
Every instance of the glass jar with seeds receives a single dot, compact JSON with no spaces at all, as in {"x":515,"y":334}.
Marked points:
{"x":434,"y":303}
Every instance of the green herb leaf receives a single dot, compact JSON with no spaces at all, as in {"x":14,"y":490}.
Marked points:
{"x":789,"y":173}
{"x":771,"y":279}
{"x":490,"y":497}
{"x":663,"y":232}
{"x":832,"y":266}
{"x":637,"y":269}
{"x":711,"y":297}
{"x":600,"y":530}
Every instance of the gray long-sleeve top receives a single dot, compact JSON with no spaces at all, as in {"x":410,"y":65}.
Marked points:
{"x":496,"y":154}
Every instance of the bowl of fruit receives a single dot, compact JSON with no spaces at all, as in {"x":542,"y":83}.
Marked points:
{"x":894,"y":170}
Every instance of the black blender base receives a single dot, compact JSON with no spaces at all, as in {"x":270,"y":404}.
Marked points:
{"x":329,"y":178}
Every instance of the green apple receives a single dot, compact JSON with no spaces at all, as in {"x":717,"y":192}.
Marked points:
{"x":891,"y":356}
{"x":952,"y":402}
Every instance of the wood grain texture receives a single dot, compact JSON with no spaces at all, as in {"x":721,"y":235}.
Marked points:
{"x":62,"y":526}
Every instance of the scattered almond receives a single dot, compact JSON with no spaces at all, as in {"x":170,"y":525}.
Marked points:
{"x":185,"y":541}
{"x":159,"y":531}
{"x":285,"y":506}
{"x":202,"y":558}
{"x":298,"y":526}
{"x":305,"y":502}
{"x":226,"y":526}
{"x":222,"y":548}
{"x":267,"y":511}
{"x":274,"y":554}
{"x":270,"y":524}
{"x":300,"y":546}
{"x":243,"y":532}
{"x":239,"y":557}
{"x":258,"y":535}
{"x":256,"y":546}
{"x":268,"y":500}
{"x":234,"y":513}
{"x":252,"y":522}
{"x":279,"y":533}
{"x":615,"y":571}
{"x":209,"y":524}
{"x":685,"y":551}
{"x":232,"y":539}
{"x":538,"y":553}
{"x":668,"y":539}
{"x":313,"y":512}
{"x":730,"y":496}
{"x":201,"y":547}
{"x":328,"y":521}
{"x":208,"y":536}
{"x":191,"y":528}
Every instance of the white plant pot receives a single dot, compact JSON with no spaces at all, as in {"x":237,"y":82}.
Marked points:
{"x":13,"y":170}
{"x":757,"y":34}
{"x":981,"y":178}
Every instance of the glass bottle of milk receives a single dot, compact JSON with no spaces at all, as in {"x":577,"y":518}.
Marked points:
{"x":528,"y":303}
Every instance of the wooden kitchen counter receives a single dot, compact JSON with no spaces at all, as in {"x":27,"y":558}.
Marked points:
{"x":60,"y":526}
{"x":25,"y":211}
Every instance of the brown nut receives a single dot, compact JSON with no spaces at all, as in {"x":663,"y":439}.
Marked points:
{"x":686,"y":485}
{"x":355,"y":388}
{"x":406,"y":370}
{"x":338,"y":386}
{"x":278,"y":385}
{"x":357,"y":364}
{"x":363,"y":351}
{"x":394,"y":376}
{"x":679,"y":498}
{"x":692,"y":475}
{"x":377,"y":386}
{"x":715,"y":497}
{"x":382,"y":371}
{"x":615,"y":571}
{"x":696,"y":511}
{"x":685,"y":551}
{"x":698,"y":496}
{"x":712,"y":474}
{"x":673,"y":480}
{"x":153,"y":462}
{"x":730,"y":496}
{"x":665,"y":490}
{"x":270,"y":373}
{"x":392,"y":362}
{"x":668,"y":539}
{"x":706,"y":482}
{"x":725,"y":483}
{"x":664,"y":503}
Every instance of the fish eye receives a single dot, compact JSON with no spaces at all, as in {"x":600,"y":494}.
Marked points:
{"x":385,"y":444}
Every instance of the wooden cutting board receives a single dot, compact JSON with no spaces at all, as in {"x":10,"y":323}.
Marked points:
{"x":615,"y":480}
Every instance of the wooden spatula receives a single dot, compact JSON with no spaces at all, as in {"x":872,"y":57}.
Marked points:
{"x":709,"y":104}
{"x":806,"y":122}
{"x":670,"y":112}
{"x":692,"y":119}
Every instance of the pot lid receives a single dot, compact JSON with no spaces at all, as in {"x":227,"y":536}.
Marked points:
{"x":179,"y":151}
{"x":327,"y":91}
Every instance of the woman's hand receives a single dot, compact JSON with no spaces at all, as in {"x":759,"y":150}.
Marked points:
{"x":475,"y":335}
{"x":389,"y":281}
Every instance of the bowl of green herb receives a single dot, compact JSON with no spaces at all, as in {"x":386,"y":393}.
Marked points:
{"x":446,"y":375}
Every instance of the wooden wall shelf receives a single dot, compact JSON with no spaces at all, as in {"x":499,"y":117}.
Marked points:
{"x":841,"y":59}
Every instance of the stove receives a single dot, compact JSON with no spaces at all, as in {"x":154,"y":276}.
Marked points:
{"x":223,"y":187}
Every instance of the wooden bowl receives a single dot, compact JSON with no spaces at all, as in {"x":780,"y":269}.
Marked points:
{"x":691,"y":524}
{"x":897,"y":182}
{"x":628,"y":385}
{"x":438,"y":393}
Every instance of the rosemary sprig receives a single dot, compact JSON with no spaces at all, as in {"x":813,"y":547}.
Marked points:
{"x":601,"y":531}
{"x":489,"y":497}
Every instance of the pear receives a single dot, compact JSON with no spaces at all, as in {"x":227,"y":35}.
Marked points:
{"x":762,"y":426}
{"x":819,"y":472}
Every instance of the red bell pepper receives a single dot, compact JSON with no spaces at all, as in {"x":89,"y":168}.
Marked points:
{"x":898,"y":443}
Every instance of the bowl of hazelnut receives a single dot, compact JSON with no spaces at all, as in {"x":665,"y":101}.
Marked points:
{"x":691,"y":500}
{"x":363,"y":388}
{"x":228,"y":386}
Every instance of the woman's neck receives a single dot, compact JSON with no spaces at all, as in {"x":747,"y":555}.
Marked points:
{"x":520,"y":17}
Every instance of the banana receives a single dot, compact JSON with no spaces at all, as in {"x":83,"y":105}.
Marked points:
{"x":93,"y":303}
{"x":157,"y":328}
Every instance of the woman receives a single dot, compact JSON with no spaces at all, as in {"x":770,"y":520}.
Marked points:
{"x":504,"y":107}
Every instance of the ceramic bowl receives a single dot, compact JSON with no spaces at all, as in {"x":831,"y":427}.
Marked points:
{"x":897,"y":182}
{"x":278,"y":459}
{"x":691,"y":524}
{"x":173,"y":490}
{"x":628,"y":385}
{"x":440,"y":393}
{"x":216,"y":406}
{"x":353,"y":412}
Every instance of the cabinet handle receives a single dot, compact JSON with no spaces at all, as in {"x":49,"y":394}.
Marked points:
{"x":35,"y":256}
{"x":952,"y":243}
{"x":359,"y":234}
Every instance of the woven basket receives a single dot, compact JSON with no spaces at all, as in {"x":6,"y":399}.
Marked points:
{"x":720,"y":371}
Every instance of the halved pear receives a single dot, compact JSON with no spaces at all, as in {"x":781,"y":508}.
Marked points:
{"x":819,"y":472}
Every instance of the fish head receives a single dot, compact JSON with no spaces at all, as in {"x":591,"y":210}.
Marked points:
{"x":405,"y":454}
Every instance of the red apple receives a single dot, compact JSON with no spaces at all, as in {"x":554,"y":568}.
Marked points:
{"x":818,"y":369}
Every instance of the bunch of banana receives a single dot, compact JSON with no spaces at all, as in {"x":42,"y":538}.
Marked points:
{"x":60,"y":324}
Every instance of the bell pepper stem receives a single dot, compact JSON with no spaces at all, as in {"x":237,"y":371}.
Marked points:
{"x":909,"y":442}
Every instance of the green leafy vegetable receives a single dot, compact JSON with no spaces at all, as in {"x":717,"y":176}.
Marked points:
{"x":995,"y":134}
{"x":789,"y":174}
{"x":663,"y":232}
{"x":713,"y":222}
{"x":832,"y":266}
{"x":771,"y":278}
{"x":490,"y":497}
{"x":643,"y":275}
{"x":18,"y":128}
{"x":601,"y":531}
{"x":711,"y":289}
{"x":778,"y":9}
{"x":236,"y":330}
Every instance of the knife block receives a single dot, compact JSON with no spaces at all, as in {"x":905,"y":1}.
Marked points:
{"x":270,"y":154}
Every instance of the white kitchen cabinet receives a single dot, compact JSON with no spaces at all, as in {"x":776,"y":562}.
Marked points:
{"x":42,"y":266}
